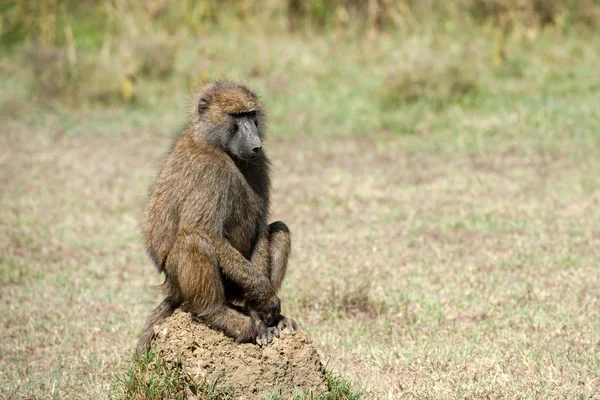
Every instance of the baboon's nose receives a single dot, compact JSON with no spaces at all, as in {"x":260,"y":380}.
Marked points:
{"x":257,"y":149}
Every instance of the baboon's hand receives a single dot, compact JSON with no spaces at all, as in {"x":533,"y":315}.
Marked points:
{"x":266,"y":335}
{"x":286,"y":324}
{"x":268,"y":311}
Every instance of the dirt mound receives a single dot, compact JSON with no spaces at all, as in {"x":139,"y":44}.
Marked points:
{"x":288,"y":364}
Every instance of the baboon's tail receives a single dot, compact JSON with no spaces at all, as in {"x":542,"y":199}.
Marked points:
{"x":160,"y":313}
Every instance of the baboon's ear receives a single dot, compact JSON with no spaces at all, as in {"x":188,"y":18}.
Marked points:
{"x":202,"y":104}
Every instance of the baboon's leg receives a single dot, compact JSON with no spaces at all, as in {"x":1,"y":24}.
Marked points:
{"x":280,"y":247}
{"x":194,"y":263}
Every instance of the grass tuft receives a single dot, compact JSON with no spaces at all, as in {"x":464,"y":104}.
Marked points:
{"x":431,"y":76}
{"x":353,"y":301}
{"x":339,"y":389}
{"x":59,"y":73}
{"x":151,"y":57}
{"x":149,"y":377}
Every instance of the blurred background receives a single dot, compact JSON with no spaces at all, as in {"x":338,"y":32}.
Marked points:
{"x":357,"y":62}
{"x":436,"y":161}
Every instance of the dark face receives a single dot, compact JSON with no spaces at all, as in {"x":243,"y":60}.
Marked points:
{"x":243,"y":140}
{"x":230,"y":117}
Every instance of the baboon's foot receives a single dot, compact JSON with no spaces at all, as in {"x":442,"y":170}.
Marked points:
{"x":286,"y":324}
{"x":267,"y":335}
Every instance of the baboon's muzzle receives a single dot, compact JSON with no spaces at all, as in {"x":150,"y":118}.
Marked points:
{"x":252,"y":144}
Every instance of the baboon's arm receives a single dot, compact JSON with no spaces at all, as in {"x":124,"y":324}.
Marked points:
{"x":254,"y":281}
{"x":260,"y":255}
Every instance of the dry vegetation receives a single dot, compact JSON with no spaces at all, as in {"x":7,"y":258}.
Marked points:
{"x":440,"y":180}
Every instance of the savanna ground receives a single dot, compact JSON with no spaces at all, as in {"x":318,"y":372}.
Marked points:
{"x":445,"y":209}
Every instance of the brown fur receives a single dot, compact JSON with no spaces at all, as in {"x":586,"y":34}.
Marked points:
{"x":206,"y":227}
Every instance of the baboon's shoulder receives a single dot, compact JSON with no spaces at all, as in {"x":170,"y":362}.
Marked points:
{"x":203,"y":168}
{"x":196,"y":155}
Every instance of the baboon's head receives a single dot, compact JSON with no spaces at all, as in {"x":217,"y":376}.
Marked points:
{"x":229,"y":116}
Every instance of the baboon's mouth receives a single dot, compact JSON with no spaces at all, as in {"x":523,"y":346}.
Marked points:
{"x":249,"y":157}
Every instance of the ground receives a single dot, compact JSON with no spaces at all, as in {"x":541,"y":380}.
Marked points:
{"x":454,"y":257}
{"x":289,"y":365}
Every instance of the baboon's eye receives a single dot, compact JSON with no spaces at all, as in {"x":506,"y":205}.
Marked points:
{"x":235,"y":128}
{"x":202,"y":104}
{"x":246,"y":114}
{"x":256,"y":123}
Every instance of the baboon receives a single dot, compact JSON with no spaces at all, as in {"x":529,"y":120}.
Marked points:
{"x":205,"y":224}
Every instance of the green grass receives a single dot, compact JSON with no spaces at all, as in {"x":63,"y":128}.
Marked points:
{"x":445,"y":246}
{"x":149,"y":377}
{"x":339,"y":389}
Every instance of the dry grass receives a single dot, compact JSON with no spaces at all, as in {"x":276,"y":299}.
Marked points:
{"x":443,"y":248}
{"x":418,"y":274}
{"x":487,"y":271}
{"x":423,"y":76}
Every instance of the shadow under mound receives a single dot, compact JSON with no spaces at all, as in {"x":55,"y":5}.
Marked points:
{"x":290,"y":364}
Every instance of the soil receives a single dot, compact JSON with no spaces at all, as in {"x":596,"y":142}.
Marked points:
{"x":287,"y":365}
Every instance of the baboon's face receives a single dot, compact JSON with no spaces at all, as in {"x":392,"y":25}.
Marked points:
{"x":233,"y":119}
{"x":243,"y":139}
